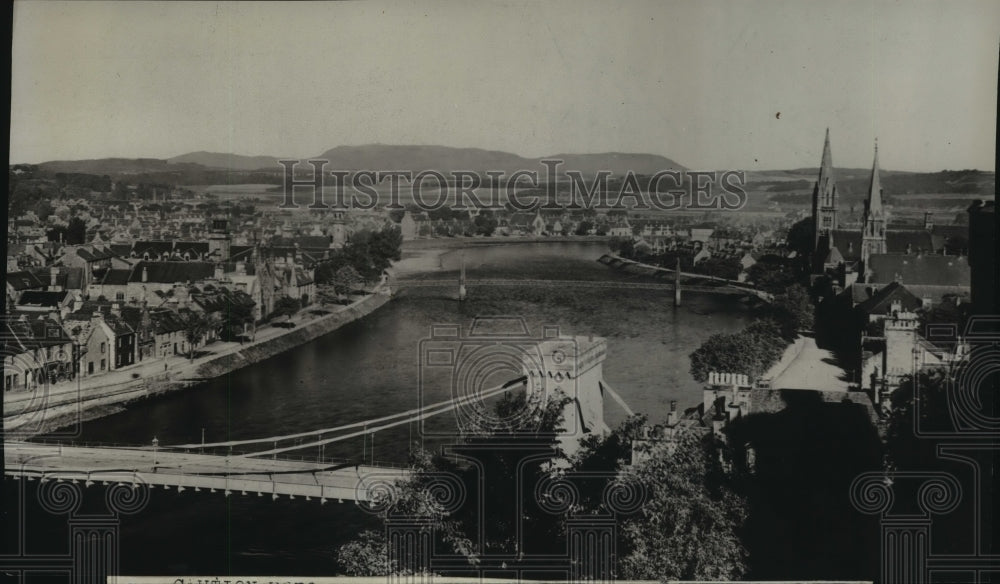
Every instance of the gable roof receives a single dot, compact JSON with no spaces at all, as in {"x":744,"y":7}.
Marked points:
{"x":23,"y":280}
{"x":881,"y":301}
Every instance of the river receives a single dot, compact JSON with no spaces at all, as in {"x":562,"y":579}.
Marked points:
{"x":369,"y":368}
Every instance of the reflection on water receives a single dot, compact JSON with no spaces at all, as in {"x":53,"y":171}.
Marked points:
{"x":368,"y":369}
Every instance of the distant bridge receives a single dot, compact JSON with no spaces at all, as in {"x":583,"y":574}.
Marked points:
{"x":719,"y":288}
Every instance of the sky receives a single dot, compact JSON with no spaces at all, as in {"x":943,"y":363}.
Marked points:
{"x":748,"y":85}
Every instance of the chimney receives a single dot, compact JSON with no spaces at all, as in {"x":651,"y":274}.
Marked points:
{"x":672,"y":416}
{"x":219,"y":272}
{"x":925,"y":302}
{"x":241,"y":267}
{"x":116,"y":309}
{"x":145,"y":274}
{"x":53,"y":278}
{"x":77,"y":303}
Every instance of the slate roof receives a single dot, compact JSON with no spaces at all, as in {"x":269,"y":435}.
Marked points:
{"x":26,"y":335}
{"x":848,"y":243}
{"x":24,"y":280}
{"x":938,"y":270}
{"x":911,"y":240}
{"x":41,"y":298}
{"x":172,"y":272}
{"x":881,"y":301}
{"x":154,"y":248}
{"x":94,"y":253}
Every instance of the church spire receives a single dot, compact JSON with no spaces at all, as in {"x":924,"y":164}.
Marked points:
{"x":824,"y":200}
{"x":873,"y":231}
{"x":875,"y":187}
{"x":826,"y":166}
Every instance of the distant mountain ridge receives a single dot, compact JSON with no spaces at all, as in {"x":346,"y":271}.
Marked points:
{"x":415,"y":158}
{"x":222,"y":160}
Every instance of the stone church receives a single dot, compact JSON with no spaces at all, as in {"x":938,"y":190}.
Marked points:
{"x":865,"y":258}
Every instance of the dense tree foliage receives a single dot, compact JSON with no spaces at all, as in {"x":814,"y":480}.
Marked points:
{"x":485,"y":223}
{"x":368,"y":253}
{"x":774,"y":277}
{"x":286,"y":306}
{"x":685,"y":525}
{"x":750,"y":351}
{"x":689,"y":523}
{"x":793,"y":310}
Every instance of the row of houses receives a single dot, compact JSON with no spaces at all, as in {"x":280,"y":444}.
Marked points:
{"x":95,"y":338}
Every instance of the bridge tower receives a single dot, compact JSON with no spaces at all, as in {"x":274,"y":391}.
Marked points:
{"x":677,"y":284}
{"x":572,"y":367}
{"x":461,"y":280}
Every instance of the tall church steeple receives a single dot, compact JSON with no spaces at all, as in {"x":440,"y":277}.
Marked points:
{"x":825,"y":197}
{"x":873,"y":232}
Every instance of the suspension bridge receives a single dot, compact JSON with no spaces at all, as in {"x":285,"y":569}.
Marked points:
{"x":673,"y":282}
{"x":708,"y":287}
{"x":261,"y":466}
{"x":296,"y":466}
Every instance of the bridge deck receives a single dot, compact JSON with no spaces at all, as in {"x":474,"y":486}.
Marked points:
{"x":194,"y":471}
{"x":712,"y":287}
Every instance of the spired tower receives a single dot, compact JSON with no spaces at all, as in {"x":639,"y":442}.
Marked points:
{"x":825,"y":199}
{"x":873,"y":232}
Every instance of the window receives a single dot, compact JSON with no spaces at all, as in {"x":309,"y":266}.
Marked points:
{"x":90,"y":368}
{"x":119,"y":296}
{"x":102,"y":348}
{"x":103,"y":365}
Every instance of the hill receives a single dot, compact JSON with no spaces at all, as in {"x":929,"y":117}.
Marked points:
{"x":110,"y":166}
{"x":221,"y":160}
{"x":619,"y":163}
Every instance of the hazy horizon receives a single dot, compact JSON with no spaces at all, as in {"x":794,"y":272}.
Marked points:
{"x":749,"y":86}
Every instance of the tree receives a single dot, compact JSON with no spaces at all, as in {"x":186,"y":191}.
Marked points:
{"x":195,"y":328}
{"x":802,"y":237}
{"x":793,"y":310}
{"x":623,"y":246}
{"x":905,"y":450}
{"x":688,"y":525}
{"x":749,"y":352}
{"x":238,"y":315}
{"x":501,"y":462}
{"x":367,"y":555}
{"x":771,"y":277}
{"x":286,"y":306}
{"x":485,"y":223}
{"x":725,"y":268}
{"x":345,"y":280}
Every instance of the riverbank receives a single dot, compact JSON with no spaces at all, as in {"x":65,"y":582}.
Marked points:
{"x":49,"y":409}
